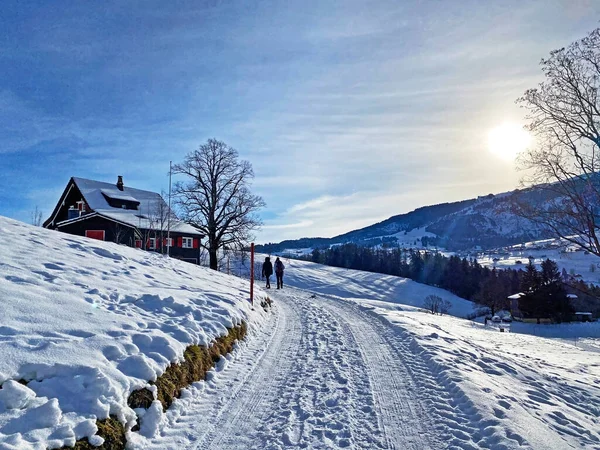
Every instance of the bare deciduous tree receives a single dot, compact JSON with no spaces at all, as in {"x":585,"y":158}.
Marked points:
{"x":436,"y":305}
{"x":36,"y":217}
{"x":564,"y":116}
{"x":120,"y":233}
{"x":216,"y":198}
{"x":159,"y":217}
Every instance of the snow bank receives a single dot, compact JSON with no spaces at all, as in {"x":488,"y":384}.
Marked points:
{"x":515,"y":390}
{"x":87,"y":322}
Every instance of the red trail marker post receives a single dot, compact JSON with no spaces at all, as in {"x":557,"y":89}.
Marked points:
{"x":252,"y":273}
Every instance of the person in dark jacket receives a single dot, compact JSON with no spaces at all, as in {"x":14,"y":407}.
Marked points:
{"x":267,"y":271}
{"x":279,"y":268}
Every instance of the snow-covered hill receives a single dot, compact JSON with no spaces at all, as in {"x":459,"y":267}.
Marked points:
{"x":85,"y":323}
{"x":368,"y":286}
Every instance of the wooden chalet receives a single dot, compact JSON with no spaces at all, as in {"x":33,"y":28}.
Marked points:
{"x":117,"y":213}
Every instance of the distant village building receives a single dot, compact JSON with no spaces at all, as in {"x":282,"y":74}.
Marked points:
{"x":514,"y":305}
{"x":117,"y":213}
{"x":517,"y":314}
{"x":584,"y":316}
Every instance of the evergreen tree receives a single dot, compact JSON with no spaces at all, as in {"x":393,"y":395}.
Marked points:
{"x":550,"y":273}
{"x":416,"y":265}
{"x":531,"y":279}
{"x":316,"y":256}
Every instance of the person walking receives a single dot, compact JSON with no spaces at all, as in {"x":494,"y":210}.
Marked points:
{"x":267,"y":271}
{"x":279,"y":268}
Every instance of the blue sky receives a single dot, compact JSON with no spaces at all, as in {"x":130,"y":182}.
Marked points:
{"x":349,"y":112}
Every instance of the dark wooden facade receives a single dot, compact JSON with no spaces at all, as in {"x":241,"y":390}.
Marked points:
{"x":113,"y":231}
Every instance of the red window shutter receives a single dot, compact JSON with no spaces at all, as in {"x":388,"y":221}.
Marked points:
{"x":95,"y":234}
{"x":196,"y":243}
{"x":164,"y":242}
{"x":148,"y":244}
{"x":138,"y":243}
{"x":179,"y":241}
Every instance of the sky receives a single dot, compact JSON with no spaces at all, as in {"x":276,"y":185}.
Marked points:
{"x":349,"y":111}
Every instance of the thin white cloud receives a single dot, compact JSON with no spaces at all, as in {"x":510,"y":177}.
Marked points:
{"x":289,"y":226}
{"x":311,"y":204}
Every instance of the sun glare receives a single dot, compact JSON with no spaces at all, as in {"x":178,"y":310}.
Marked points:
{"x":507,"y":140}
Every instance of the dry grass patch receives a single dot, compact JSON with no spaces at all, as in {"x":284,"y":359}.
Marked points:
{"x":111,"y":430}
{"x":197,"y":361}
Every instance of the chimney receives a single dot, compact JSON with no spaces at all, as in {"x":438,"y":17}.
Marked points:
{"x":120,"y":182}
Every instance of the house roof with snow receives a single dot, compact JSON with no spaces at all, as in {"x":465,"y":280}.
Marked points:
{"x":128,"y":206}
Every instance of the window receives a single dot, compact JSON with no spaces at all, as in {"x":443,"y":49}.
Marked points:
{"x":81,"y":207}
{"x":152,"y":244}
{"x":187,"y":242}
{"x":169,"y":242}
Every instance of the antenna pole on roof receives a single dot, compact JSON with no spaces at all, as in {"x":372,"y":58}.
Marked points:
{"x":169,"y":213}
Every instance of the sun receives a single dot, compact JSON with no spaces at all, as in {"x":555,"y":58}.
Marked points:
{"x":508,"y":140}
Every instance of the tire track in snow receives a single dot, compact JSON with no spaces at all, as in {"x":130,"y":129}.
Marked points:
{"x":321,"y":373}
{"x":404,"y":420}
{"x":450,"y":415}
{"x":197,"y":418}
{"x":327,"y":400}
{"x":236,"y":425}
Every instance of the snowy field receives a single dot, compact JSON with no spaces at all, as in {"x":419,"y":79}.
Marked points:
{"x":519,"y":389}
{"x":575,"y":262}
{"x":87,"y":322}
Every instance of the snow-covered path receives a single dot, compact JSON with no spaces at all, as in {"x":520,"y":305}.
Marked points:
{"x":321,"y":374}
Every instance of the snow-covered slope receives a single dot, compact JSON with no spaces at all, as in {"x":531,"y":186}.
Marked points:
{"x":576,"y":262}
{"x":87,"y":322}
{"x":359,"y":285}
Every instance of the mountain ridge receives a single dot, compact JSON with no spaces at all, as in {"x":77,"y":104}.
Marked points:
{"x":483,"y":222}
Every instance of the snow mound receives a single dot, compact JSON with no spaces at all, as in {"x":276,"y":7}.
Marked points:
{"x":86,"y":322}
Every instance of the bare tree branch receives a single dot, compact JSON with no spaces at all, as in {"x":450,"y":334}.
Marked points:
{"x":564,"y":114}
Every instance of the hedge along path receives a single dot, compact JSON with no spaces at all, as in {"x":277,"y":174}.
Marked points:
{"x":197,"y":361}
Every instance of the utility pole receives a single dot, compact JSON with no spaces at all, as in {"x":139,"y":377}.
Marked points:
{"x":169,"y":213}
{"x":252,"y":273}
